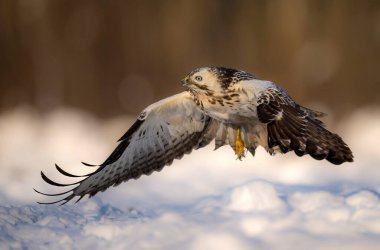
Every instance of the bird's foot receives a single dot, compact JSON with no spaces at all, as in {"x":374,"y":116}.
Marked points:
{"x":239,"y":146}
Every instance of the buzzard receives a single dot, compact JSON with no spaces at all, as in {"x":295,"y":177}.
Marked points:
{"x":227,"y":105}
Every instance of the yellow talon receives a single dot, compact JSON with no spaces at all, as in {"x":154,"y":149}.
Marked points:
{"x":239,"y":145}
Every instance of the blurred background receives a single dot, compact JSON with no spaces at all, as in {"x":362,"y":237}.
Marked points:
{"x":74,"y":75}
{"x":116,"y":57}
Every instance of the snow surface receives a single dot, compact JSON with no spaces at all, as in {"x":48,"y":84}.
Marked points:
{"x":208,"y":200}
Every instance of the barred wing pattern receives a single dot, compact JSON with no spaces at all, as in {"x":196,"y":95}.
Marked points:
{"x":295,"y":128}
{"x":165,"y":131}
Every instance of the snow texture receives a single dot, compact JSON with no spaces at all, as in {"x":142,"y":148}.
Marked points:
{"x":207,"y":200}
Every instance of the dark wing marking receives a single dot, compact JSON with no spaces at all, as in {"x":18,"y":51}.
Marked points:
{"x":168,"y":130}
{"x":292,"y":128}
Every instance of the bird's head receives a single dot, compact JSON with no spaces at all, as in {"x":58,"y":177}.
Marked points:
{"x":213,"y":79}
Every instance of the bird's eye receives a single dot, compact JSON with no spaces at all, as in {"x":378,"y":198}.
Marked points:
{"x":198,"y":78}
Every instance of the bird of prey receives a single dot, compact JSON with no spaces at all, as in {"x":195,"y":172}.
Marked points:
{"x":227,"y":105}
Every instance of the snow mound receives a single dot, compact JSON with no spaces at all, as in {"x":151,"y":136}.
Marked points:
{"x":257,"y":213}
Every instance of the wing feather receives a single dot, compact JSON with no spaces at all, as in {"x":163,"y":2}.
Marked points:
{"x":164,"y":131}
{"x":295,"y":128}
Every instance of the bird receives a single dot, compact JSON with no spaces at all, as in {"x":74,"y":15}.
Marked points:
{"x":227,"y":105}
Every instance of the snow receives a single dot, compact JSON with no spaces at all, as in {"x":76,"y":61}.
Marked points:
{"x":207,"y":200}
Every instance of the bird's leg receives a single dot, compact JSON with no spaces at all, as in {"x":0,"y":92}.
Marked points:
{"x":239,"y":145}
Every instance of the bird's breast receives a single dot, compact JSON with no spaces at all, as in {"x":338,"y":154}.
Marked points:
{"x":231,"y":108}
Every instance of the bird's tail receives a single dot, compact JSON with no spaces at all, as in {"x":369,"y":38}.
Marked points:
{"x":310,"y":138}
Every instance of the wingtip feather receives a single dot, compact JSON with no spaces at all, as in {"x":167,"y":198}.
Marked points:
{"x":51,"y":182}
{"x":39,"y":192}
{"x":88,"y":165}
{"x":66,"y":173}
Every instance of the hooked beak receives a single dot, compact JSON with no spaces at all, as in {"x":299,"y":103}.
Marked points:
{"x":185,"y":80}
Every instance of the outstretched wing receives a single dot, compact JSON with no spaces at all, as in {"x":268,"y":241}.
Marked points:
{"x":164,"y":131}
{"x":292,"y":127}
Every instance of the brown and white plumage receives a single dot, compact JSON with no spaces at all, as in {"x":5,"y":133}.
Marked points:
{"x":221,"y":104}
